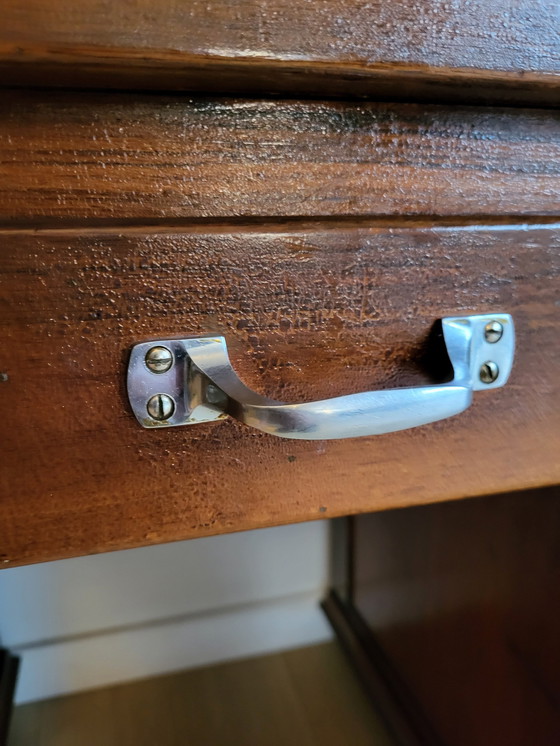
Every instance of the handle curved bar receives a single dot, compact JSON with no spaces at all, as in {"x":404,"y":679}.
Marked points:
{"x":210,"y":389}
{"x":368,"y":413}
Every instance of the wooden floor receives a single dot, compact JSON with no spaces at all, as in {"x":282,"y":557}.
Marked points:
{"x":305,"y":697}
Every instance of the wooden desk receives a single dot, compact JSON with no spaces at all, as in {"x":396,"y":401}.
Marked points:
{"x":319,"y":183}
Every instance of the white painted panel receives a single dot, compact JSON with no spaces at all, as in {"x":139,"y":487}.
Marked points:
{"x":89,"y":594}
{"x":123,"y":655}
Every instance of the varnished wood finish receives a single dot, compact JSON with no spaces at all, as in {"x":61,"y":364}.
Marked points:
{"x":308,"y":314}
{"x":482,"y":51}
{"x":464,"y":599}
{"x":130,"y":157}
{"x":305,"y":697}
{"x":387,"y":693}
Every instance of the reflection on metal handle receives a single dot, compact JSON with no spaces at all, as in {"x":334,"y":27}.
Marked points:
{"x":187,"y":381}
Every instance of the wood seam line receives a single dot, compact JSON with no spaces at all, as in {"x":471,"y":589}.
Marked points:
{"x":251,"y":224}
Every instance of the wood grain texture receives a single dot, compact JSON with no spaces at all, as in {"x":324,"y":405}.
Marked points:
{"x":307,"y":697}
{"x":465,"y":598}
{"x":307,"y":315}
{"x":479,"y":50}
{"x":146,"y":157}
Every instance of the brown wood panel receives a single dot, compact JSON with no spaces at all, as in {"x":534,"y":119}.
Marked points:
{"x":148,"y":157}
{"x":308,"y":314}
{"x":478,"y":50}
{"x":465,"y":599}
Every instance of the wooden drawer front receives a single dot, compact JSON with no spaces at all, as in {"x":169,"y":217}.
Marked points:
{"x":323,"y":240}
{"x":477,"y":50}
{"x":147,"y":158}
{"x":308,"y":312}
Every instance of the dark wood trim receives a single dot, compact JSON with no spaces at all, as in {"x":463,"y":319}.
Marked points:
{"x":340,"y":559}
{"x":283,"y":78}
{"x":389,"y":694}
{"x":9,"y":666}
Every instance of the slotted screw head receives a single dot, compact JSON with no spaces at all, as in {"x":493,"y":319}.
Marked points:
{"x":493,"y":331}
{"x":489,"y":372}
{"x":160,"y":407}
{"x":159,"y":359}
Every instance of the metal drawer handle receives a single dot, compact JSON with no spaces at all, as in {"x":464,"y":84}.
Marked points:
{"x":186,"y":381}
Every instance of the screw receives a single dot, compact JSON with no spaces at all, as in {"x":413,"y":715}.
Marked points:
{"x":493,"y":331}
{"x":214,"y":395}
{"x":489,"y":372}
{"x":160,"y":407}
{"x":159,"y":359}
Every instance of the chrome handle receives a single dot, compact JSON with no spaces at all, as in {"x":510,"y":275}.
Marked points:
{"x":186,"y":381}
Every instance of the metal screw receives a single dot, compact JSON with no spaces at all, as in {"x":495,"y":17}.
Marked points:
{"x":493,"y":331}
{"x":159,"y":359}
{"x":489,"y":372}
{"x":214,"y":395}
{"x":160,"y":407}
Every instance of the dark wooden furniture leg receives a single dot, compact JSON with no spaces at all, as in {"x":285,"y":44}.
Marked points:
{"x":9,"y":665}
